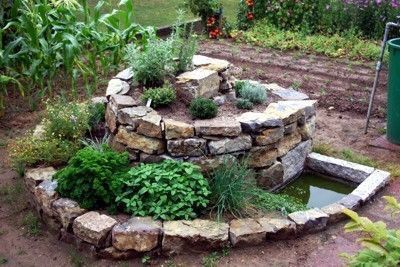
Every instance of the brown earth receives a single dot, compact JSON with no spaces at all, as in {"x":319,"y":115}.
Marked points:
{"x":345,"y":87}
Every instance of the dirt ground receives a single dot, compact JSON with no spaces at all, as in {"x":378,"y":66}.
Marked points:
{"x":342,"y":90}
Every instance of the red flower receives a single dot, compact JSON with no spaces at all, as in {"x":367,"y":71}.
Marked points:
{"x":250,"y":15}
{"x":250,"y":3}
{"x":210,"y":21}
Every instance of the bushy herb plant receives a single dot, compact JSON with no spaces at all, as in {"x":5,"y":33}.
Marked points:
{"x":203,"y":108}
{"x":238,"y":87}
{"x":381,"y":246}
{"x":168,"y":190}
{"x":90,"y":176}
{"x":160,"y":96}
{"x":242,"y":103}
{"x":256,"y":94}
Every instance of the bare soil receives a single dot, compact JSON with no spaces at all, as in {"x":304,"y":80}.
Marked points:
{"x":344,"y":87}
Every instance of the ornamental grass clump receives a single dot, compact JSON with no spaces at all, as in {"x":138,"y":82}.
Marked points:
{"x":168,"y":190}
{"x":203,"y":108}
{"x":163,"y":96}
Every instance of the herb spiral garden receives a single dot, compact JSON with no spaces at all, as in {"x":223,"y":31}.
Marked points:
{"x":180,"y":155}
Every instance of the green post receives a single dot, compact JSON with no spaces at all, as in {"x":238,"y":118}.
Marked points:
{"x":393,"y":103}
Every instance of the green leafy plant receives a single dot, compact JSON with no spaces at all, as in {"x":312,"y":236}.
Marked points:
{"x":238,"y":87}
{"x":203,"y":108}
{"x":203,"y":8}
{"x":160,"y":96}
{"x":242,"y":103}
{"x":90,"y":176}
{"x":32,"y":225}
{"x":234,"y":190}
{"x":168,"y":190}
{"x":381,"y":246}
{"x":256,"y":94}
{"x":96,"y":114}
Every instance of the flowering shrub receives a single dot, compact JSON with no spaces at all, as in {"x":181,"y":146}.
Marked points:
{"x":367,"y":17}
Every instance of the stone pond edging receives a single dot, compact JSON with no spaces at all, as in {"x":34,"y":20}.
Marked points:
{"x":123,"y":237}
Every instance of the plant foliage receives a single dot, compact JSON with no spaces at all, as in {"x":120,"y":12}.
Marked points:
{"x":242,"y":103}
{"x":160,"y":96}
{"x":90,"y":176}
{"x":168,"y":190}
{"x":256,"y":94}
{"x":203,"y":108}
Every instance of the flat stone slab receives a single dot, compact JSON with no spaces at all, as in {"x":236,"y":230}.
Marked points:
{"x":33,"y":177}
{"x":139,"y":233}
{"x":244,"y":232}
{"x":210,"y":63}
{"x":291,"y":111}
{"x":196,"y":234}
{"x":262,"y":156}
{"x":93,"y":228}
{"x":66,"y":210}
{"x":150,"y":125}
{"x":310,"y":220}
{"x":208,"y":164}
{"x":293,"y":162}
{"x":335,"y":212}
{"x":350,"y":201}
{"x":228,"y":145}
{"x":255,"y":122}
{"x":269,"y":136}
{"x":125,"y":75}
{"x":117,"y":86}
{"x":131,"y":115}
{"x":371,"y":185}
{"x":285,"y":94}
{"x":200,"y":82}
{"x":338,"y":168}
{"x":143,"y":143}
{"x":218,"y":127}
{"x":123,"y":101}
{"x":278,"y":228}
{"x":191,"y":147}
{"x":177,"y":129}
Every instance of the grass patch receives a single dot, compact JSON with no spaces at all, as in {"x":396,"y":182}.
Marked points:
{"x":32,"y":224}
{"x":76,"y":258}
{"x":348,"y":45}
{"x":3,"y":260}
{"x":212,"y":259}
{"x":350,"y":155}
{"x":13,"y":195}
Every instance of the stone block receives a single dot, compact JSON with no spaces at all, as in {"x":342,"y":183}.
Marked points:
{"x":218,"y":127}
{"x":136,"y":141}
{"x":66,"y":210}
{"x":123,"y":101}
{"x":262,"y":156}
{"x":150,"y":125}
{"x":335,"y":212}
{"x":33,"y":177}
{"x":278,"y":228}
{"x":271,"y":177}
{"x":370,"y":186}
{"x":111,"y":119}
{"x":351,"y":201}
{"x":294,"y":161}
{"x":147,"y":158}
{"x":94,"y":228}
{"x":191,"y":147}
{"x":138,"y":233}
{"x":45,"y":194}
{"x":269,"y":136}
{"x":194,"y":235}
{"x":213,"y":64}
{"x":130,"y":116}
{"x":338,"y":168}
{"x":254,"y":122}
{"x":285,"y":94}
{"x":291,"y":111}
{"x":290,"y":128}
{"x":117,"y":86}
{"x":208,"y":164}
{"x":245,"y":232}
{"x":199,"y":83}
{"x":228,"y":145}
{"x":125,"y":75}
{"x":307,"y":130}
{"x":312,"y":220}
{"x":287,"y":143}
{"x":178,"y":130}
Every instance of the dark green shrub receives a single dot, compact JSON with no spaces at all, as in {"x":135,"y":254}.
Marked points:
{"x":242,"y":103}
{"x":91,"y":175}
{"x":238,"y":87}
{"x":168,"y":190}
{"x":256,"y":94}
{"x":160,"y":96}
{"x":203,"y":108}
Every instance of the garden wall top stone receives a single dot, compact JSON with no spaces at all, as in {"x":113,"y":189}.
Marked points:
{"x":291,"y":111}
{"x":218,"y":127}
{"x":117,"y":86}
{"x":34,"y":177}
{"x":218,"y":65}
{"x":285,"y":94}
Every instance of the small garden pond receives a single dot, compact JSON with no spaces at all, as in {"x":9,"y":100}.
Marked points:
{"x":316,"y":191}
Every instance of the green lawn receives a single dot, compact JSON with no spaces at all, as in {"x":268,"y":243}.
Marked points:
{"x":163,"y":12}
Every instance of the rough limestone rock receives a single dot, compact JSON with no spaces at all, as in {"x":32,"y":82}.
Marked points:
{"x":45,"y":194}
{"x":218,"y":127}
{"x":125,"y":75}
{"x":111,"y":119}
{"x":243,"y":232}
{"x":219,"y":100}
{"x":177,"y":130}
{"x":99,"y":100}
{"x":66,"y":210}
{"x":287,"y":143}
{"x":285,"y":94}
{"x":228,"y":145}
{"x":139,"y":233}
{"x":197,"y":235}
{"x":290,"y":128}
{"x":371,"y":185}
{"x":136,"y":141}
{"x":208,"y":164}
{"x":93,"y":227}
{"x":269,"y":136}
{"x":351,"y":201}
{"x":278,"y":228}
{"x":33,"y":177}
{"x":338,"y":168}
{"x":294,"y":161}
{"x":123,"y":101}
{"x":214,"y":64}
{"x":199,"y":82}
{"x":150,"y":125}
{"x":335,"y":212}
{"x":312,"y":220}
{"x":39,"y":131}
{"x":146,"y":158}
{"x":307,"y":131}
{"x":262,"y":156}
{"x":191,"y":147}
{"x":271,"y":177}
{"x":291,"y":111}
{"x":117,"y":86}
{"x":131,"y":115}
{"x":254,"y":122}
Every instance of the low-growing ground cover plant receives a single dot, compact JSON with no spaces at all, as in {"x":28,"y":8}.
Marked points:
{"x":168,"y":190}
{"x":256,"y":94}
{"x":203,"y":108}
{"x":162,"y":96}
{"x":381,"y":246}
{"x":91,"y":176}
{"x":234,"y":190}
{"x":243,"y":103}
